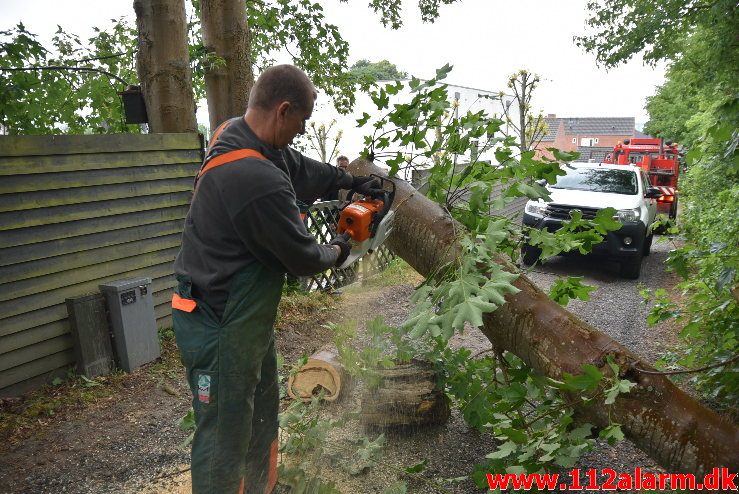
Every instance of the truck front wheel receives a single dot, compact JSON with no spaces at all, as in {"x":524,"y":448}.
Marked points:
{"x":631,"y":266}
{"x":529,"y":254}
{"x":648,"y":244}
{"x":673,"y":209}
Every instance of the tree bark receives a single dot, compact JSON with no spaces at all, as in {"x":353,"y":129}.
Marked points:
{"x":226,"y":34}
{"x":673,"y":428}
{"x":163,"y":65}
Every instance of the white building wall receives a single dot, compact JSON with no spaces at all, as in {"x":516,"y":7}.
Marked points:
{"x":353,"y":139}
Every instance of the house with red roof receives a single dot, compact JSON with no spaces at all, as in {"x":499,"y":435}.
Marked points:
{"x":592,"y":137}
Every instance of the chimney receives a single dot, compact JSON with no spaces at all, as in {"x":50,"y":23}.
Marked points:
{"x":552,"y":115}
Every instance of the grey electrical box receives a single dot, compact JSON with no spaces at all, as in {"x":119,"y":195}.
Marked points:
{"x":132,"y":320}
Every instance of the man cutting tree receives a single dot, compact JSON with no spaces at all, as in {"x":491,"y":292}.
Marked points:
{"x":242,"y":234}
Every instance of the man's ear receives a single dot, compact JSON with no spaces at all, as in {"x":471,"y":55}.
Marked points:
{"x":283,"y":108}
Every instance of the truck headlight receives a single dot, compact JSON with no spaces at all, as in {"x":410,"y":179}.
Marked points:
{"x":536,"y":208}
{"x":628,"y":215}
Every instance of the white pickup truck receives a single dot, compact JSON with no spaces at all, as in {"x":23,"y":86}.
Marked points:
{"x":589,"y":187}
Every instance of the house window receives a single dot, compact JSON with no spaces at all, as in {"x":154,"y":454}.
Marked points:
{"x":574,"y":140}
{"x":596,"y":140}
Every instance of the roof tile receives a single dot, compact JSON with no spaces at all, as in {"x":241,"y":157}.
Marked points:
{"x":591,"y":126}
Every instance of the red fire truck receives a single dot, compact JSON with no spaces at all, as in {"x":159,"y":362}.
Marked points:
{"x":661,"y":162}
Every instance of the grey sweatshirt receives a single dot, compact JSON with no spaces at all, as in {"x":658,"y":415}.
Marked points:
{"x":246,"y":211}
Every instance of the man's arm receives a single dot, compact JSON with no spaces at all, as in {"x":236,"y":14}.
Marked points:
{"x":312,"y":179}
{"x":272,"y":230}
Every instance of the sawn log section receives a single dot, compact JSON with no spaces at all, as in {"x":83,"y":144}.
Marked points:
{"x":666,"y":423}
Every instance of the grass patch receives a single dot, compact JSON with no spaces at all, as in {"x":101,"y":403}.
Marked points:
{"x":398,"y":272}
{"x":300,"y":308}
{"x":20,"y":417}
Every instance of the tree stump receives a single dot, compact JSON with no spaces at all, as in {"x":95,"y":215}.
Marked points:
{"x":408,"y":396}
{"x":322,"y":372}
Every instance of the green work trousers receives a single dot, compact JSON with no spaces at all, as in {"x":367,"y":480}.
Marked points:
{"x":232,"y":372}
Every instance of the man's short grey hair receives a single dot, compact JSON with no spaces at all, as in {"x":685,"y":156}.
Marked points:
{"x":282,"y":83}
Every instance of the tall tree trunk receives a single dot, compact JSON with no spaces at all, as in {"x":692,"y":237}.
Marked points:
{"x":163,"y":65}
{"x":666,"y":423}
{"x":523,"y":110}
{"x":226,"y":34}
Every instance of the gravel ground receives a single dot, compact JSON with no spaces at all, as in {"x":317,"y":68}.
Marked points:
{"x":616,"y":308}
{"x":130,"y":444}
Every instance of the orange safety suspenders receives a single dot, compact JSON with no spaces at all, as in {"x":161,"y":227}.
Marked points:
{"x":222,"y":159}
{"x":186,"y":304}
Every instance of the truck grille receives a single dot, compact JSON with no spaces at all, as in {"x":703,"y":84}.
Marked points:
{"x":562,"y":211}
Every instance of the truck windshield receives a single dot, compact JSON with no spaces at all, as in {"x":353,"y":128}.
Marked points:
{"x":598,"y":180}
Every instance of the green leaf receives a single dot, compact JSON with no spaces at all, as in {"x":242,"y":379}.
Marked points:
{"x":443,"y":72}
{"x":398,"y":487}
{"x":515,"y":393}
{"x":727,"y":276}
{"x":564,"y":155}
{"x":612,"y":433}
{"x":187,"y":421}
{"x":418,"y":467}
{"x":589,"y":378}
{"x":678,"y":262}
{"x":563,"y":290}
{"x":581,"y":433}
{"x":516,"y":469}
{"x":381,"y":99}
{"x":691,"y":330}
{"x":471,"y":311}
{"x":515,"y":435}
{"x":611,"y":394}
{"x":604,"y":219}
{"x":533,"y":192}
{"x":363,"y":120}
{"x":502,"y":451}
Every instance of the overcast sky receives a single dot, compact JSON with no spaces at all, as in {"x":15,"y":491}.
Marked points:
{"x":485,"y":41}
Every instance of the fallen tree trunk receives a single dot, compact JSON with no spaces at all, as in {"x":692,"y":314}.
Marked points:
{"x":322,"y":372}
{"x":674,"y":429}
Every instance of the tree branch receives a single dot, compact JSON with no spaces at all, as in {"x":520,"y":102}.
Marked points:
{"x":689,"y":371}
{"x":63,"y":67}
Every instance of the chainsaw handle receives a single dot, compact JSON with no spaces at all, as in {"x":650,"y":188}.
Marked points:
{"x":387,"y":200}
{"x":387,"y":196}
{"x":380,"y":192}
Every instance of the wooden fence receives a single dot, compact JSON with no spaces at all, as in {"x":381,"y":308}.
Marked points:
{"x":77,"y":211}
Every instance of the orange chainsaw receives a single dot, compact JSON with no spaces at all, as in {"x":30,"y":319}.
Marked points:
{"x":367,"y":221}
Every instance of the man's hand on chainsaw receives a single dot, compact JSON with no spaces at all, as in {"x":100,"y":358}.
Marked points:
{"x":367,"y":186}
{"x":342,"y":242}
